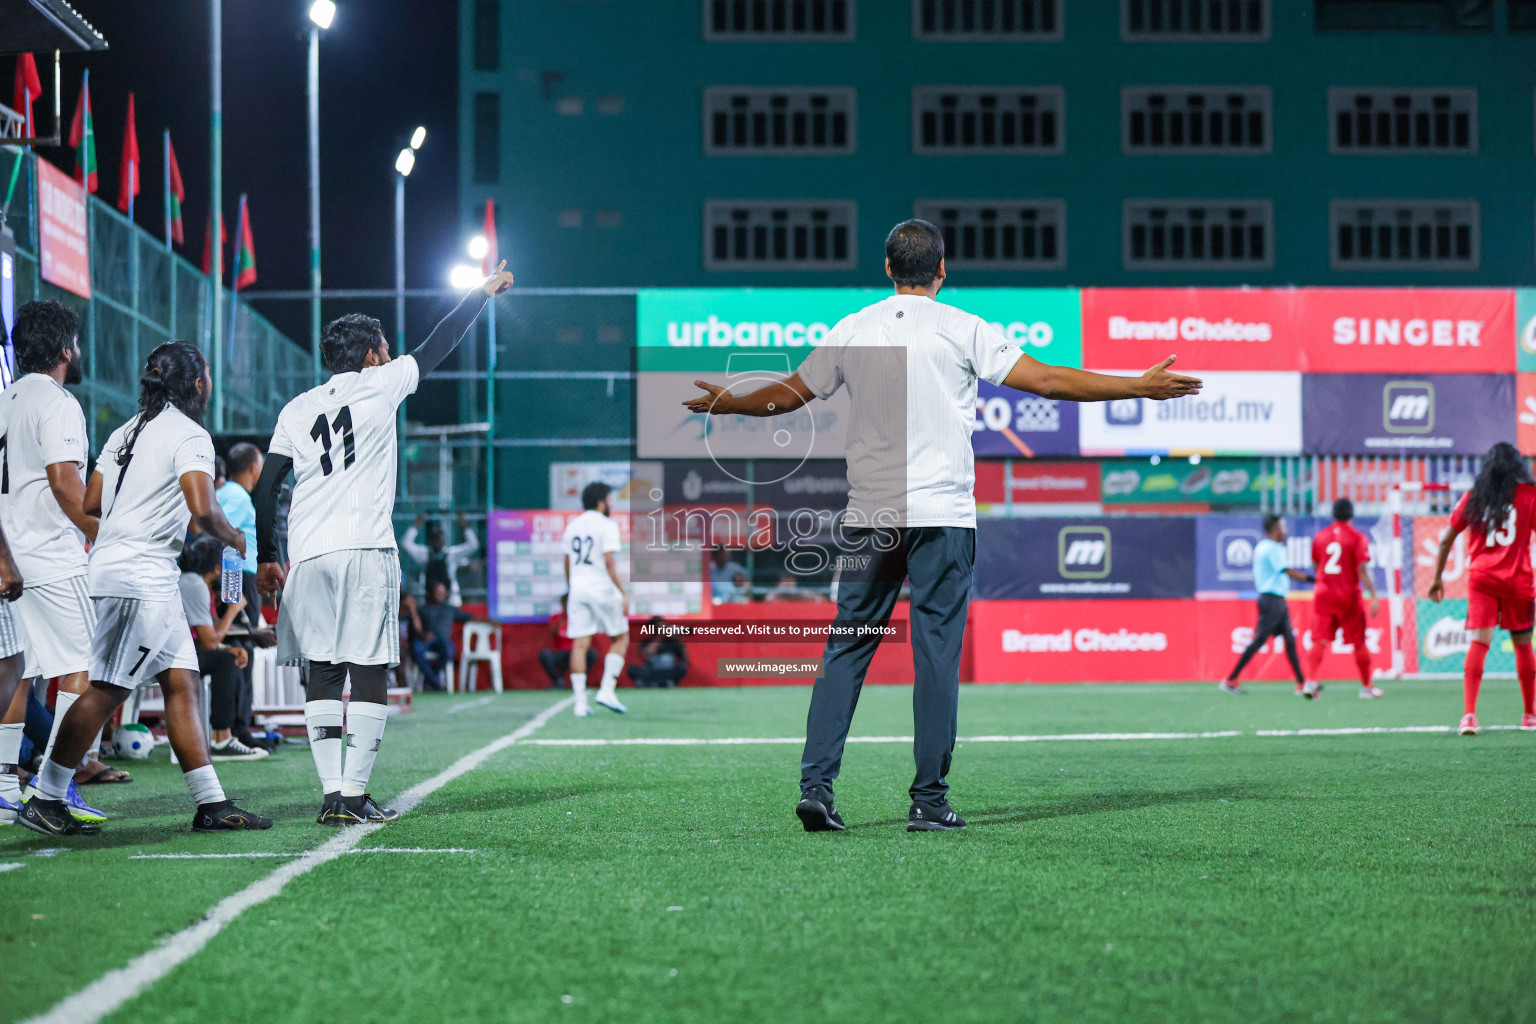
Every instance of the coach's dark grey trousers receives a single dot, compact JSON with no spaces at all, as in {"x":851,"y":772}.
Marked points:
{"x":939,"y":560}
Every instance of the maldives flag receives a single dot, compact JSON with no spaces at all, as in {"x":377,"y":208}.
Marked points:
{"x":28,"y":85}
{"x":177,"y":192}
{"x":488,"y":265}
{"x":245,"y":259}
{"x":128,"y":170}
{"x":208,"y":243}
{"x":82,"y":138}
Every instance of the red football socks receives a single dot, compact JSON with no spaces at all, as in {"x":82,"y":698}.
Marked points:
{"x":1525,"y":668}
{"x":1363,"y":663}
{"x":1472,"y":676}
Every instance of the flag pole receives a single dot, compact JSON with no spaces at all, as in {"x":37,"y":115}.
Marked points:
{"x":234,"y":288}
{"x":166,"y":152}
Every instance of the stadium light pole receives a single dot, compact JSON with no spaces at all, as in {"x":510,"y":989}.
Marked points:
{"x":321,"y":14}
{"x":215,"y":210}
{"x":404,"y":164}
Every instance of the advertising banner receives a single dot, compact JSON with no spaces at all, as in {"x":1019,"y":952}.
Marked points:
{"x":1525,"y":412}
{"x":1015,"y":423}
{"x":1443,"y":636}
{"x":1020,"y":559}
{"x":1177,"y":482}
{"x":1440,"y":414}
{"x":1054,"y":482}
{"x":1208,"y":328}
{"x":1236,"y":414}
{"x":1525,"y":327}
{"x":1407,"y":330}
{"x":567,"y":479}
{"x":1224,"y":554}
{"x":697,"y":330}
{"x":64,"y":247}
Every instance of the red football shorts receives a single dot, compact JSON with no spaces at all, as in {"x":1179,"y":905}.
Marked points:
{"x":1330,"y":615}
{"x":1488,"y":609}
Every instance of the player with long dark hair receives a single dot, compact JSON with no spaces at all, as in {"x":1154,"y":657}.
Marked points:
{"x":155,"y":475}
{"x":1497,"y":515}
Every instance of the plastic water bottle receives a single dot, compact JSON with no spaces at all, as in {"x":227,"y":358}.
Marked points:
{"x":232,"y":584}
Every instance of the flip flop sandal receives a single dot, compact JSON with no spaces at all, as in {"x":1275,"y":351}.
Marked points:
{"x":100,"y":774}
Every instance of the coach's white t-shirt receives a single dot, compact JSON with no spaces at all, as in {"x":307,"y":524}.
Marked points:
{"x":341,"y":438}
{"x":909,"y":449}
{"x":144,"y":514}
{"x":41,"y":425}
{"x":587,"y":539}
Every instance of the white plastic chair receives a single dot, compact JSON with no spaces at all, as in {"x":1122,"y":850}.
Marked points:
{"x":482,"y":645}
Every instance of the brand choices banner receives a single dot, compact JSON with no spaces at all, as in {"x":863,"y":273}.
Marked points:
{"x":1084,"y":558}
{"x":1235,"y":414}
{"x":1461,"y":414}
{"x":1208,"y":328}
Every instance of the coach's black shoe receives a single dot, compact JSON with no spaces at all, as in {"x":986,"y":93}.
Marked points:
{"x":816,"y":812}
{"x":226,"y":817}
{"x":933,"y":818}
{"x":52,"y":818}
{"x":330,"y":802}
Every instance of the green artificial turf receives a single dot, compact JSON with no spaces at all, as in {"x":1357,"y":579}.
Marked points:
{"x":1375,"y":877}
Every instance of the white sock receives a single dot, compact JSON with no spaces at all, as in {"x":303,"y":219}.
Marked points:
{"x":10,"y":753}
{"x":613,"y":664}
{"x":204,"y":784}
{"x":60,"y":708}
{"x":365,"y":731}
{"x":322,"y":720}
{"x":53,"y":781}
{"x":579,"y":688}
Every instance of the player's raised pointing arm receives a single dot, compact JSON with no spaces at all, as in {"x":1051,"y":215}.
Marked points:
{"x":445,"y":337}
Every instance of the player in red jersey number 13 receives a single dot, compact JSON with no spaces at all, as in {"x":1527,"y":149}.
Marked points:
{"x":1497,"y":514}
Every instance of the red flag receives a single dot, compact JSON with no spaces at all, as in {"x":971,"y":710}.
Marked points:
{"x":82,"y":138}
{"x":128,"y":170}
{"x":178,"y":193}
{"x":245,"y":259}
{"x":28,"y":85}
{"x":208,"y":243}
{"x":488,"y":265}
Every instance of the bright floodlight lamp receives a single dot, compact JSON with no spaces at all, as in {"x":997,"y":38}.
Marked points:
{"x":322,"y":13}
{"x":464,"y":277}
{"x":418,"y":137}
{"x":478,"y":247}
{"x":405,"y":161}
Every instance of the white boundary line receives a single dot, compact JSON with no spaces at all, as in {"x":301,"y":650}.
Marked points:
{"x":11,"y":866}
{"x":469,"y":704}
{"x":1080,"y":737}
{"x":295,"y":853}
{"x":109,"y":992}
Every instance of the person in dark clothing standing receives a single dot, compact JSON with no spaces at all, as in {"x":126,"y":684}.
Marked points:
{"x":437,"y":618}
{"x":664,"y":661}
{"x":1272,"y":577}
{"x":911,"y":367}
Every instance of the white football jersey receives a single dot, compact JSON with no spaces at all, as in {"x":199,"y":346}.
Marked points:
{"x":144,"y":515}
{"x":341,"y":438}
{"x":41,"y":425}
{"x":587,"y":539}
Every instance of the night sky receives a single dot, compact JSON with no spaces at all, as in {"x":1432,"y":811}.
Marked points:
{"x":385,"y":66}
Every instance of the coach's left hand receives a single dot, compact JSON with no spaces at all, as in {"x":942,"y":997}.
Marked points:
{"x":270,"y":578}
{"x":10,"y":578}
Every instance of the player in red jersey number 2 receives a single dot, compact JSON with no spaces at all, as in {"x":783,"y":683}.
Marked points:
{"x":1497,"y":514}
{"x":1341,"y":557}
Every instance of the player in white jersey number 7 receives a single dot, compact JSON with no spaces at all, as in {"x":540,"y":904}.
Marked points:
{"x":341,"y":594}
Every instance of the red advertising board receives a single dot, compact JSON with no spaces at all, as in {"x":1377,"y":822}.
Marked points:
{"x":1525,"y":412}
{"x":63,"y":240}
{"x":1137,"y":641}
{"x":1072,"y":482}
{"x":1407,"y":330}
{"x":1207,"y":328}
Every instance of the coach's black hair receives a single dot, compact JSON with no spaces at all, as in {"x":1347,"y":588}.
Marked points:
{"x":170,"y":377}
{"x":202,"y":556}
{"x":241,"y":458}
{"x":593,"y":493}
{"x":348,"y":340}
{"x":1502,"y":470}
{"x":1343,"y":510}
{"x":915,"y":248}
{"x":44,"y":331}
{"x":1270,"y":522}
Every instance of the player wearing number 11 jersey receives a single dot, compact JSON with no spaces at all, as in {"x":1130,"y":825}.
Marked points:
{"x":341,"y":596}
{"x":1497,"y":515}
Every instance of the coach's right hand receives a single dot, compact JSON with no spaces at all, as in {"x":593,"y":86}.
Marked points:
{"x":270,"y":578}
{"x":10,"y":578}
{"x":1159,"y":385}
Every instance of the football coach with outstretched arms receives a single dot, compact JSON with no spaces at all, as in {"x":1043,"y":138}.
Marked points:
{"x":910,"y":364}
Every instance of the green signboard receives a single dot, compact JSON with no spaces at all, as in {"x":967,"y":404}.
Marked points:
{"x":737,"y":329}
{"x":1177,"y":482}
{"x":1525,"y":329}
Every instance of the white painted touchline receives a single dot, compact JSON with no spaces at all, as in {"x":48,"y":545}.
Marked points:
{"x":12,"y":866}
{"x":1086,"y":737}
{"x":469,"y":704}
{"x":109,"y":992}
{"x":295,"y":853}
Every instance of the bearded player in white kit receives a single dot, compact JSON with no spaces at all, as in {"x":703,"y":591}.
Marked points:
{"x":595,"y":602}
{"x":154,"y":477}
{"x":341,"y":596}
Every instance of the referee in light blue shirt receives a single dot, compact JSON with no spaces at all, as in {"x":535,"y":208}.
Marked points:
{"x":1272,"y":575}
